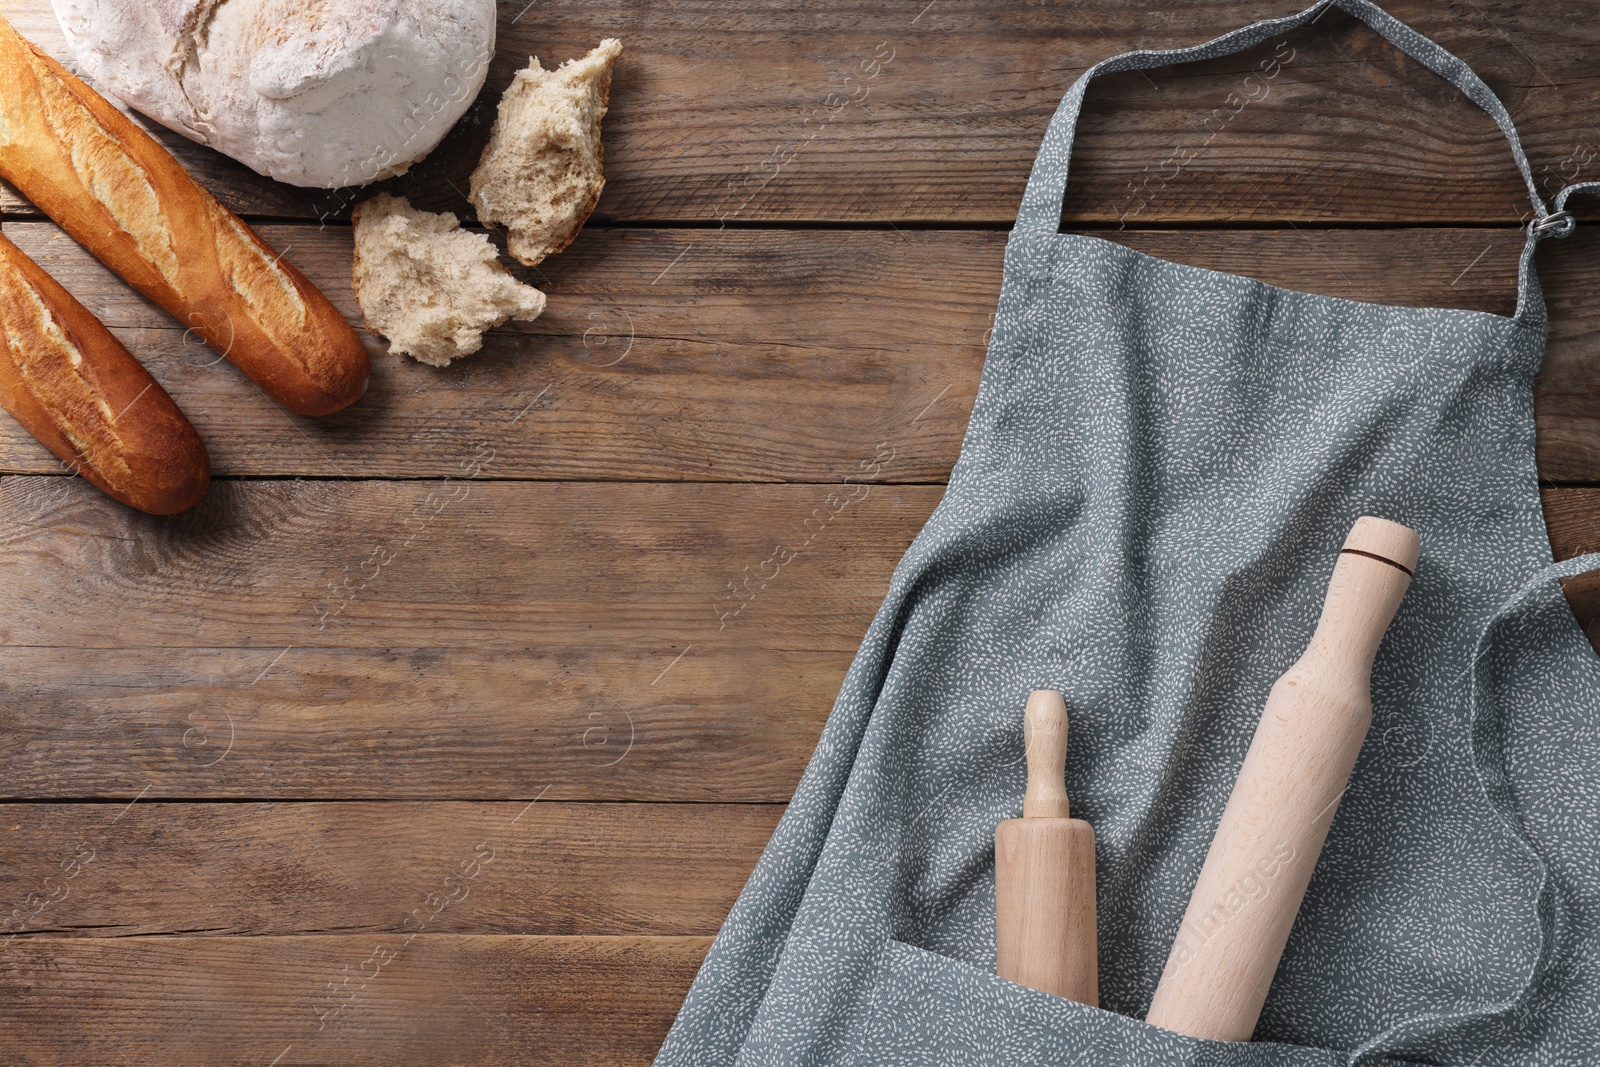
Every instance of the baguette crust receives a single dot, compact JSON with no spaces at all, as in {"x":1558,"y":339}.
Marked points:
{"x":75,"y":388}
{"x":124,"y":198}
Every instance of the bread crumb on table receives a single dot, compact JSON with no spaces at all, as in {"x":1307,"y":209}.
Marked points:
{"x":429,"y":286}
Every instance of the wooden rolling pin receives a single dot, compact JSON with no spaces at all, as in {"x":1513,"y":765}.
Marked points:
{"x":1277,"y":818}
{"x":1044,"y":871}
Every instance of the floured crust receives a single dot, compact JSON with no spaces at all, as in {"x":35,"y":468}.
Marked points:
{"x":318,"y":93}
{"x":124,"y":198}
{"x":541,"y":173}
{"x":78,"y":391}
{"x":429,"y":286}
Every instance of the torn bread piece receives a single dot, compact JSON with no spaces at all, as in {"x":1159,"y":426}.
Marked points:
{"x":429,"y":286}
{"x":540,"y":175}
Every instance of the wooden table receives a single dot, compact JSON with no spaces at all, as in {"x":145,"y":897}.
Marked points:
{"x":446,"y":730}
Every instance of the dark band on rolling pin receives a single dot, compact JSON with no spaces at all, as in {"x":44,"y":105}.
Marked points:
{"x":1380,"y":559}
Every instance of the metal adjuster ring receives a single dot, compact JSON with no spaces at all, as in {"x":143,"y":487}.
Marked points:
{"x":1557,"y":225}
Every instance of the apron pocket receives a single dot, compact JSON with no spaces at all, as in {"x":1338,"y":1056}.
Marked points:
{"x":919,"y":1008}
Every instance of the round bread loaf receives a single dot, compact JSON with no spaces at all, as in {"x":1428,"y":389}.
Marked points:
{"x":320,"y":93}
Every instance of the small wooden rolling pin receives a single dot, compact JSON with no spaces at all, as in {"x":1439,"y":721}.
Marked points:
{"x":1277,"y":818}
{"x":1044,"y":871}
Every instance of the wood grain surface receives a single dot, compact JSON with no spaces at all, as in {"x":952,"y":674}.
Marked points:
{"x":784,"y":355}
{"x":532,"y":602}
{"x":877,"y":111}
{"x":609,"y":641}
{"x":259,"y":868}
{"x":447,"y":999}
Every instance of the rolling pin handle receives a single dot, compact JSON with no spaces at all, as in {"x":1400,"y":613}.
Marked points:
{"x":1044,"y":734}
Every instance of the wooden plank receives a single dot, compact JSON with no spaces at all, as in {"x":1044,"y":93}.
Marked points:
{"x":723,"y":723}
{"x":1583,"y":593}
{"x":498,"y":566}
{"x":754,"y":357}
{"x":774,"y":355}
{"x":439,"y":999}
{"x":547,"y":868}
{"x":884,"y":110}
{"x":604,"y":641}
{"x":1568,"y":398}
{"x":1573,"y":516}
{"x":580,"y":638}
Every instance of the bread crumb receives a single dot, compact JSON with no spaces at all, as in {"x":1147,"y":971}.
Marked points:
{"x":429,"y":286}
{"x":540,"y":175}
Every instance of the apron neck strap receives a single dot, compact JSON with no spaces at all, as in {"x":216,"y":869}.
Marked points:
{"x":1047,"y":185}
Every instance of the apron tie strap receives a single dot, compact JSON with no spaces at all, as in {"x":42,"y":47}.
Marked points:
{"x":1561,"y":222}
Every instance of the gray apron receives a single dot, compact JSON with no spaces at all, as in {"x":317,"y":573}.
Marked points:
{"x":1161,"y":465}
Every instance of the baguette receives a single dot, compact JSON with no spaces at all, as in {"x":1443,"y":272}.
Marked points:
{"x":124,"y":198}
{"x":75,"y":388}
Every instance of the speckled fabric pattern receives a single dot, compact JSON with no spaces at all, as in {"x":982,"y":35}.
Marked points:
{"x":1160,"y":468}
